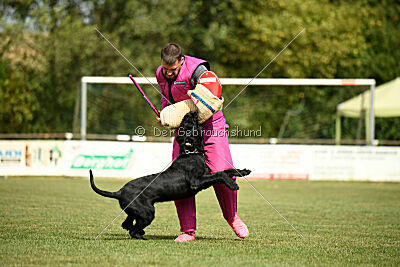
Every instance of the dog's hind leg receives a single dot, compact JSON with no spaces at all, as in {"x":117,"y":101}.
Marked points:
{"x":143,"y":220}
{"x":128,"y":223}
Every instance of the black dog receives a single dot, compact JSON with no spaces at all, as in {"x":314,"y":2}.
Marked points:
{"x":186,"y":176}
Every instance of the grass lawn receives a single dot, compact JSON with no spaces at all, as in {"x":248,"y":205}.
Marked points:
{"x":53,"y":221}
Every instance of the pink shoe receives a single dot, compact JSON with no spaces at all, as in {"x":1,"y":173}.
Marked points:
{"x":239,"y":227}
{"x":185,"y":237}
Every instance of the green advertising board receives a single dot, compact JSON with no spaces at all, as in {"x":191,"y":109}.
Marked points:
{"x":102,"y":162}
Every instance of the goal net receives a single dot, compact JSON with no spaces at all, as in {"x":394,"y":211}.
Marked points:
{"x":261,"y":110}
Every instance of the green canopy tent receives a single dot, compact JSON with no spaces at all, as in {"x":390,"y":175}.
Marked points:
{"x":386,"y":104}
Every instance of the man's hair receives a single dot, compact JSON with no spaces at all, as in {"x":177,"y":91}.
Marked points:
{"x":171,"y":52}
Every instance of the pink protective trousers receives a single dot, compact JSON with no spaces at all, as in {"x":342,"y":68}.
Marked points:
{"x":218,"y":158}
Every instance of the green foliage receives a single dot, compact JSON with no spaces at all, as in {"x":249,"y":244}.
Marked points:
{"x":47,"y":46}
{"x":19,"y":84}
{"x":17,"y":100}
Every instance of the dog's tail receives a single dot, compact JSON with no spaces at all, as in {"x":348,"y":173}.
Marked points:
{"x":116,"y":195}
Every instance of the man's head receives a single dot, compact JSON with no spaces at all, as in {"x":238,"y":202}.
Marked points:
{"x":171,"y":60}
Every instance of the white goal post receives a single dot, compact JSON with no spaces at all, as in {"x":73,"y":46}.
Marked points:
{"x":235,"y":81}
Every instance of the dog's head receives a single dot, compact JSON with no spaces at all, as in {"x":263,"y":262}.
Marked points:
{"x":190,"y":134}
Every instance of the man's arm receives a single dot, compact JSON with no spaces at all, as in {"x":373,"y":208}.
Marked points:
{"x":196,"y":74}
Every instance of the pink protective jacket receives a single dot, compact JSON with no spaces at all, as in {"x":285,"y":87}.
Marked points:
{"x":216,"y":146}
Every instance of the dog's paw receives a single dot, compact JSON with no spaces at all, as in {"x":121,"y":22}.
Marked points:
{"x":233,"y":186}
{"x":244,"y":172}
{"x":230,"y":184}
{"x":126,"y":226}
{"x":137,"y":235}
{"x":237,"y":172}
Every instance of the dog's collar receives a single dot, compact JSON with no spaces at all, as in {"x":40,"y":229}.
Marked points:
{"x":186,"y":152}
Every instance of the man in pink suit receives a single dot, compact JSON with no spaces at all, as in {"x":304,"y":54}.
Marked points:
{"x":176,"y":75}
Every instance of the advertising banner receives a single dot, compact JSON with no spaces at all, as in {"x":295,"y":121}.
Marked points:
{"x":115,"y":159}
{"x":136,"y":159}
{"x":317,"y":162}
{"x":31,"y":157}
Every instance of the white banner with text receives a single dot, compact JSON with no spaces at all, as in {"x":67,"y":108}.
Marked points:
{"x":136,"y":159}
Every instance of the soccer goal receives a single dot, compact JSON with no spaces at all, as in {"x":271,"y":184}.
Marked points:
{"x":243,"y":83}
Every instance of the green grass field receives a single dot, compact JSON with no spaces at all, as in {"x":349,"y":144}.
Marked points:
{"x":47,"y":221}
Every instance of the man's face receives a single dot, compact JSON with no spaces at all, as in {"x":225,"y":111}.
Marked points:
{"x":172,"y":71}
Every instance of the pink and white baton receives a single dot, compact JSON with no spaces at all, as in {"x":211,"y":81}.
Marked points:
{"x":144,"y":95}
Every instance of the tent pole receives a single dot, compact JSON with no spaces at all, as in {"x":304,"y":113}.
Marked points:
{"x":338,"y":135}
{"x":367,"y":118}
{"x":372,"y":116}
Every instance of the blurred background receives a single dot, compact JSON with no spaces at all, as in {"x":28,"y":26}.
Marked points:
{"x":47,"y":46}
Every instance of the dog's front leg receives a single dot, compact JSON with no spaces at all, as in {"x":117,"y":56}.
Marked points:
{"x":237,"y":172}
{"x":208,"y":180}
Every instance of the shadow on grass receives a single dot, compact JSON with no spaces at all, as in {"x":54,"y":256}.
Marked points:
{"x":198,"y":238}
{"x":111,"y":236}
{"x":123,"y":236}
